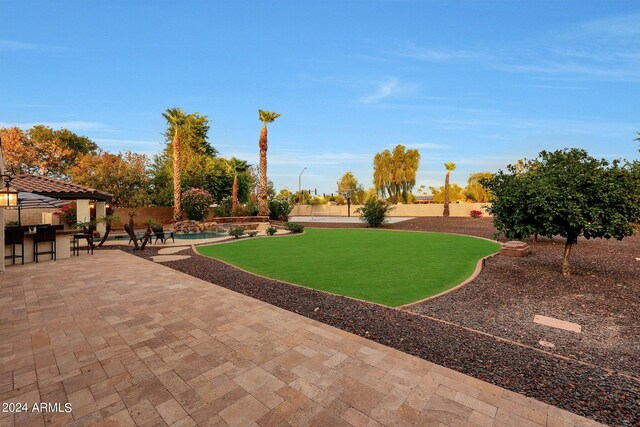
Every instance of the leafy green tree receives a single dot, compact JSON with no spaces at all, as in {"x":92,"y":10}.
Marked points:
{"x":124,"y":175}
{"x":394,"y":173}
{"x":349,"y":184}
{"x":265,"y":117}
{"x":450,"y":166}
{"x":456,"y":193}
{"x":566,"y":193}
{"x":474,"y":190}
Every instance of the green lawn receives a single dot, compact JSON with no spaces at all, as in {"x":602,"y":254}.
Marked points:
{"x":388,"y":267}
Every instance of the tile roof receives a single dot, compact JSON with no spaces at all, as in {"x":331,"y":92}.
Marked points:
{"x":56,"y":188}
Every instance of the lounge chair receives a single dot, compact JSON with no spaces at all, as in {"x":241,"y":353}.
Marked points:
{"x":161,"y":235}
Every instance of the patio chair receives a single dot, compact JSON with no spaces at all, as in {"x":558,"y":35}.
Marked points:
{"x":14,"y":236}
{"x":44,"y":235}
{"x":161,"y":235}
{"x":85,"y":235}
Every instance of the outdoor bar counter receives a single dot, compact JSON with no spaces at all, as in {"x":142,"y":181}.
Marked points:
{"x":63,"y":250}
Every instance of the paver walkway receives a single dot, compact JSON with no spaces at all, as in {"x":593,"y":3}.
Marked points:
{"x":130,"y":342}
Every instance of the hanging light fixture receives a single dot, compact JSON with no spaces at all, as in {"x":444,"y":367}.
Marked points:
{"x":8,"y":197}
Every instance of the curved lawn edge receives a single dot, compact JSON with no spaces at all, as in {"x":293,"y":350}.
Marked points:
{"x":406,"y":306}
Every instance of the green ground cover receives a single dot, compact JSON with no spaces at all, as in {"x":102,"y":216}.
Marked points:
{"x":387,"y":267}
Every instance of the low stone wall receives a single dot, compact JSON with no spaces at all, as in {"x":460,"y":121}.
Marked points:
{"x":431,"y":209}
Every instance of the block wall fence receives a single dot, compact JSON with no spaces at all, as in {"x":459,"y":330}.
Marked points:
{"x":163,"y":215}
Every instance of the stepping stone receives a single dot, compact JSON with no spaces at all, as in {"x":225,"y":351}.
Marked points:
{"x":557,"y":323}
{"x":167,"y":258}
{"x":172,"y":250}
{"x":546,"y":344}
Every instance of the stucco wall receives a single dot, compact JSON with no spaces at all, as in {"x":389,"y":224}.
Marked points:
{"x":432,"y":209}
{"x":30,"y":216}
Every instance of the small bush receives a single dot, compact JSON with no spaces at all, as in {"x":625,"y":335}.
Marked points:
{"x":195,"y":203}
{"x":374,"y":212}
{"x":252,"y":233}
{"x":271,"y":231}
{"x":279,"y":209}
{"x":475,"y":214}
{"x":240,"y":210}
{"x":236,"y":232}
{"x":294,"y":227}
{"x":224,"y":207}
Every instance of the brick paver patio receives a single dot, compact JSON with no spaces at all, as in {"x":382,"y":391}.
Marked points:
{"x":129,"y":342}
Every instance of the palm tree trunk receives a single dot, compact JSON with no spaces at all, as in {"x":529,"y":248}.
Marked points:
{"x":234,"y":192}
{"x":263,"y":202}
{"x":446,"y":195}
{"x":177,"y":185}
{"x":132,"y":232}
{"x":106,"y":234}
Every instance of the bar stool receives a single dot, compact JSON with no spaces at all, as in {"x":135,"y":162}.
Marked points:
{"x":14,"y":236}
{"x":44,"y":235}
{"x":88,"y":236}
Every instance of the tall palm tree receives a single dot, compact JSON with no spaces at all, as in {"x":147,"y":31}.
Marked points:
{"x":236,"y":167}
{"x":263,"y":202}
{"x":176,"y":121}
{"x":449,"y":166}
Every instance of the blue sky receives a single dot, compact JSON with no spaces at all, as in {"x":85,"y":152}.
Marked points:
{"x":479,"y":83}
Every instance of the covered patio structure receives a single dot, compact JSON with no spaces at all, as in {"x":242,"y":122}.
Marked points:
{"x":58,"y":189}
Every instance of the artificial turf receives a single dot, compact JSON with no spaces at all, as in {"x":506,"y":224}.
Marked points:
{"x":383,"y":266}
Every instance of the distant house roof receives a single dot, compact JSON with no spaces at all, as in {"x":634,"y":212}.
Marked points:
{"x":424,"y":198}
{"x":56,"y":188}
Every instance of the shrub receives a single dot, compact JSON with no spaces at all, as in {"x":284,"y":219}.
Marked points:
{"x":67,"y":214}
{"x":252,"y":233}
{"x":224,"y":207}
{"x":294,"y":227}
{"x":475,"y":213}
{"x":279,"y":209}
{"x":271,"y":231}
{"x":236,"y":232}
{"x":12,"y":224}
{"x":195,"y":203}
{"x":374,"y":212}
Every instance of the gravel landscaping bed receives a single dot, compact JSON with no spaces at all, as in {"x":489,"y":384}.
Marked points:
{"x":586,"y":390}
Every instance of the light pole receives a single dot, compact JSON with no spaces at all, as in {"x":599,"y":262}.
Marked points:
{"x":300,"y":181}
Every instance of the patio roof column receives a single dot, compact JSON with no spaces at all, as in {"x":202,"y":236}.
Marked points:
{"x":101,"y":210}
{"x":83,"y":212}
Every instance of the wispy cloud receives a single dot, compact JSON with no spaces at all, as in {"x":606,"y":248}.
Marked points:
{"x":19,"y":45}
{"x":295,"y":157}
{"x":429,"y":54}
{"x":388,"y":88}
{"x":71,"y":125}
{"x":606,"y":49}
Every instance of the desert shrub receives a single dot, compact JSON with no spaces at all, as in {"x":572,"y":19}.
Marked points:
{"x":195,"y":203}
{"x":252,"y":233}
{"x":279,"y":209}
{"x":374,"y":212}
{"x":240,"y":210}
{"x":294,"y":227}
{"x":236,"y":232}
{"x":224,"y":207}
{"x":271,"y":231}
{"x":253,"y":208}
{"x":475,"y":214}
